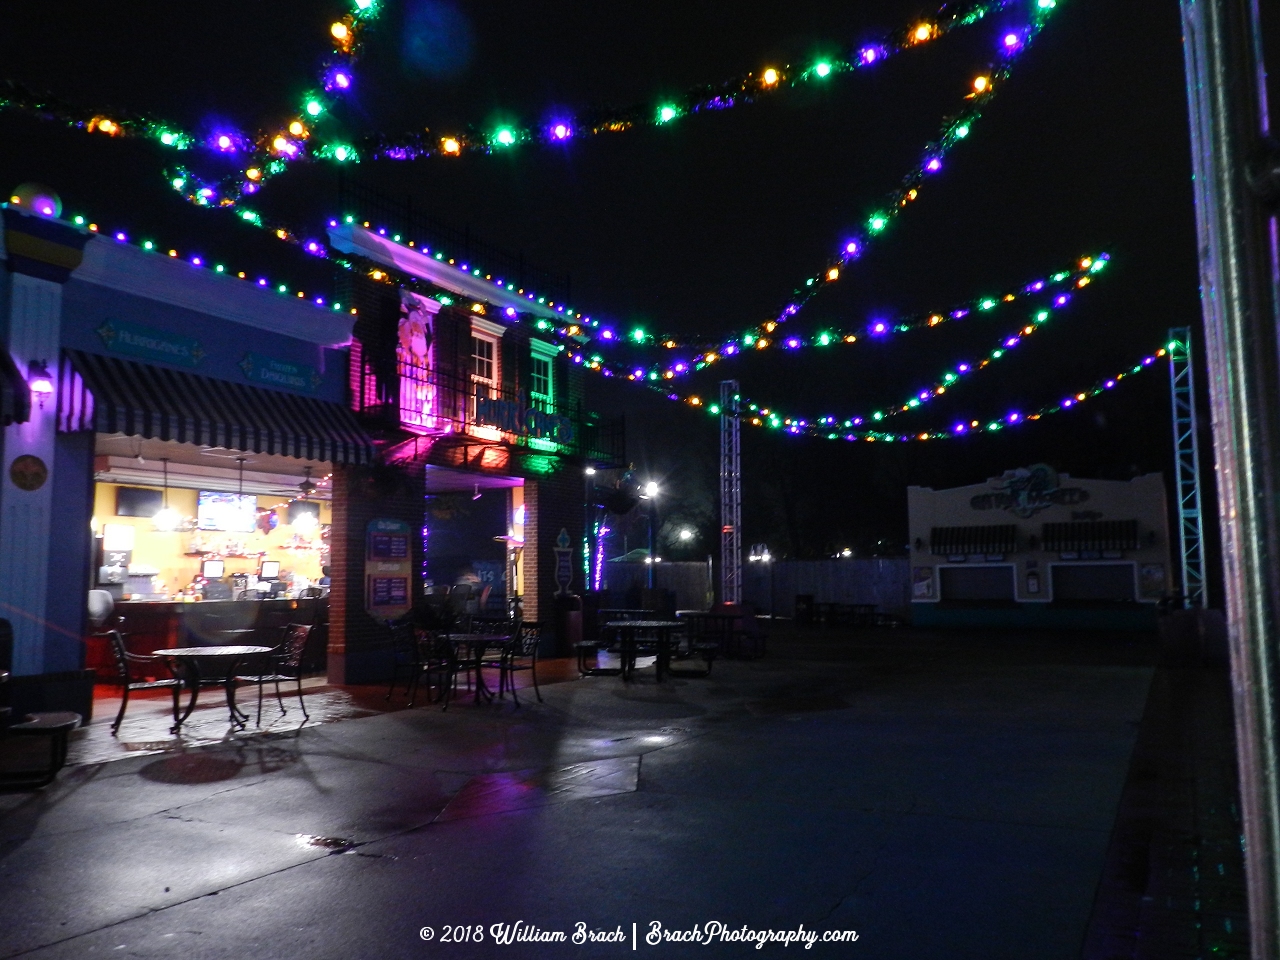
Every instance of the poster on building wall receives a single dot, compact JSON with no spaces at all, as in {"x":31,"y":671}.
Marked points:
{"x":415,"y":358}
{"x":564,"y":563}
{"x":387,"y":569}
{"x":922,"y":583}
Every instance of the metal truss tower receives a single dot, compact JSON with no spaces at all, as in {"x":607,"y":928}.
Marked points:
{"x":1187,"y":458}
{"x":730,"y":494}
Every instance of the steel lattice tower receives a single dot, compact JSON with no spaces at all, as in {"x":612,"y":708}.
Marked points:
{"x":730,"y":494}
{"x":1187,"y":458}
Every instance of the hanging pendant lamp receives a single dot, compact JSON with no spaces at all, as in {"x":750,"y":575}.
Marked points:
{"x":167,"y":519}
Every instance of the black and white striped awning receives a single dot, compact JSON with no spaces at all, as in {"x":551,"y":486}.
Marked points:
{"x":111,"y":395}
{"x":15,"y":395}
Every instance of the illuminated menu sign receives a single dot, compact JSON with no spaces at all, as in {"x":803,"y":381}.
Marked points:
{"x":387,"y":569}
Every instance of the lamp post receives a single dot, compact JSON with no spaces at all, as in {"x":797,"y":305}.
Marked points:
{"x":651,"y":494}
{"x":588,"y":526}
{"x":760,"y":553}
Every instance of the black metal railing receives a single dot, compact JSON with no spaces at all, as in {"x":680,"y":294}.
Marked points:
{"x":418,"y":399}
{"x":401,"y":217}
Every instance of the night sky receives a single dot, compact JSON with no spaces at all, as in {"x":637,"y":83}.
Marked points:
{"x":706,"y":225}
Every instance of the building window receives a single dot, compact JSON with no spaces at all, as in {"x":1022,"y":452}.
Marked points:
{"x":542,"y":388}
{"x":541,"y":379}
{"x":482,"y":360}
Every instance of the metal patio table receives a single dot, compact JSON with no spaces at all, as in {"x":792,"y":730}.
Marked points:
{"x":189,"y":662}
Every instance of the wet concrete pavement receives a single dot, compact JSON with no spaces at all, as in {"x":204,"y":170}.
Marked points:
{"x":943,"y":795}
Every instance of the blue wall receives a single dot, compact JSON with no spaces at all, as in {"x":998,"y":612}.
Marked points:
{"x":86,"y":307}
{"x":71,"y":552}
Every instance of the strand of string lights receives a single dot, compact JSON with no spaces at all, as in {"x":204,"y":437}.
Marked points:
{"x":957,"y":373}
{"x":1011,"y":43}
{"x":1079,"y":277}
{"x":307,"y":135}
{"x":829,"y":428}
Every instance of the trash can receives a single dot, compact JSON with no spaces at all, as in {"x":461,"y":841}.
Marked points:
{"x":568,"y":624}
{"x":804,"y":608}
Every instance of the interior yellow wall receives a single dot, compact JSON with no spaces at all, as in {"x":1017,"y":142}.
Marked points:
{"x":166,"y":550}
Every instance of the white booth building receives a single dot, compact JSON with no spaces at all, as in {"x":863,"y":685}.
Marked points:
{"x":1035,"y":547}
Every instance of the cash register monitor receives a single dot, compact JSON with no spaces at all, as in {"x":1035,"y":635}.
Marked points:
{"x":213,"y":569}
{"x":270,"y":570}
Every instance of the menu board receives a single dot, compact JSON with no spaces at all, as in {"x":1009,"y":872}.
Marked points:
{"x":387,"y":569}
{"x":389,"y":591}
{"x":388,"y":546}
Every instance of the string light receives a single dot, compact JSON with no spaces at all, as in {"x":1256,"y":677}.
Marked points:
{"x":705,"y":351}
{"x":857,"y":429}
{"x":953,"y":131}
{"x":121,"y":237}
{"x":337,"y":78}
{"x":956,"y":373}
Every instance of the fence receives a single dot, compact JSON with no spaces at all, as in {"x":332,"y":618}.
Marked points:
{"x":772,"y":587}
{"x":689,"y":581}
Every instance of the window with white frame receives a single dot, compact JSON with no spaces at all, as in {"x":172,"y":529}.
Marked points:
{"x":482,"y":359}
{"x":541,"y":379}
{"x":486,"y":353}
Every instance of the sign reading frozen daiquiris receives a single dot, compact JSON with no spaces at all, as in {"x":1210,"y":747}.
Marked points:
{"x":296,"y":376}
{"x":520,"y":418}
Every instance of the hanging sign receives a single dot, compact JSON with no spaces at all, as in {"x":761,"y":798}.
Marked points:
{"x":387,"y":569}
{"x":136,"y":340}
{"x":279,"y":373}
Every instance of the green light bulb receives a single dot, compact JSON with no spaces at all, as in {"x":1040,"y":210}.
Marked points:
{"x":822,"y":69}
{"x":314,"y":108}
{"x":506,"y":137}
{"x":997,"y":354}
{"x":637,"y":335}
{"x":824,"y":339}
{"x":877,"y":223}
{"x":178,"y":183}
{"x":148,"y":245}
{"x":1042,"y":316}
{"x":877,"y":415}
{"x":987,"y":304}
{"x":962,"y":131}
{"x":714,"y":408}
{"x":667,"y":114}
{"x":79,"y":221}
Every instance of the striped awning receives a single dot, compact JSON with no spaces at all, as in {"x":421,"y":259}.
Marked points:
{"x":15,"y":395}
{"x":111,"y":395}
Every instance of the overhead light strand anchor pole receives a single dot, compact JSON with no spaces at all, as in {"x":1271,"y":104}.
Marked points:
{"x":1235,"y":163}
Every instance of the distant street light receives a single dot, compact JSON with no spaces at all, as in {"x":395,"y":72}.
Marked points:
{"x":686,"y":534}
{"x":651,"y":494}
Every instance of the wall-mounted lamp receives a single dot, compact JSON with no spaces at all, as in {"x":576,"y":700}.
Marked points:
{"x":39,"y":381}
